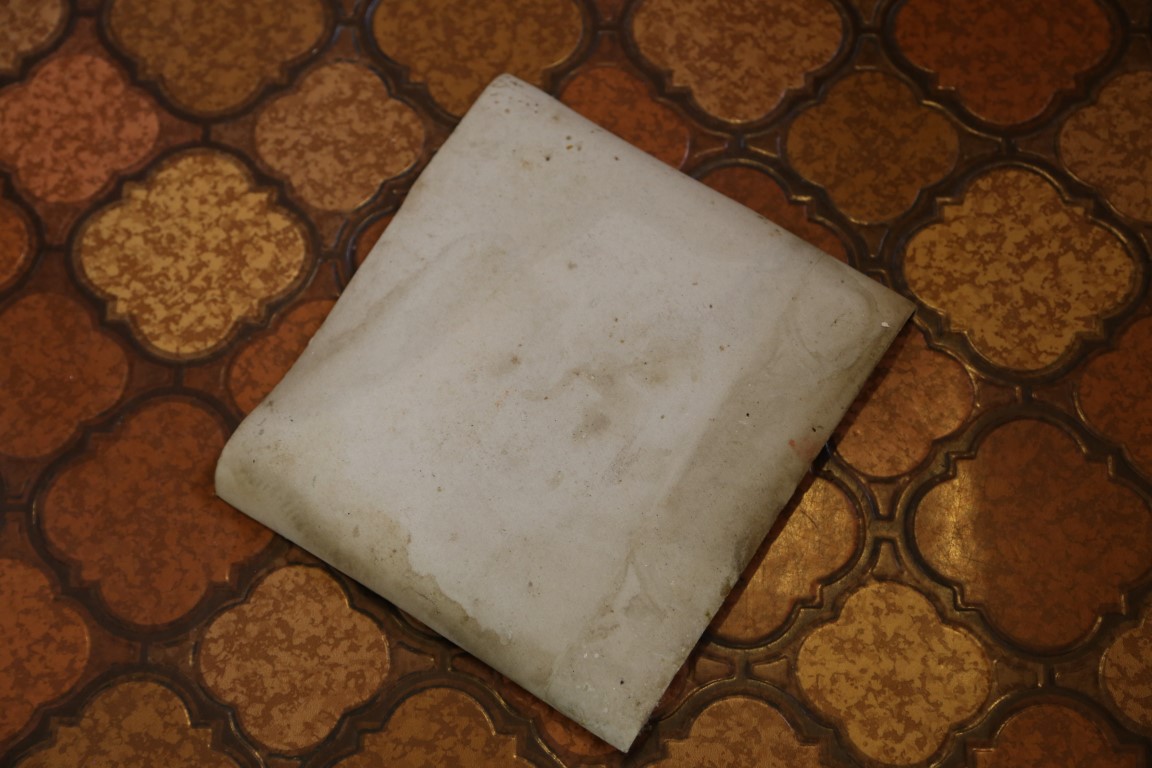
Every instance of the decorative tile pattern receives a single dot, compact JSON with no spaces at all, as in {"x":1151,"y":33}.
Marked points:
{"x":26,"y":26}
{"x":44,"y":644}
{"x":1037,"y":538}
{"x":1115,"y":394}
{"x":191,"y":252}
{"x":1021,"y":273}
{"x":132,"y":723}
{"x":211,"y":57}
{"x":339,"y":136}
{"x":1108,"y":144}
{"x":70,"y":129}
{"x":738,"y":59}
{"x":558,"y":732}
{"x":1126,"y":672}
{"x":740,"y":732}
{"x":61,"y":372}
{"x":1006,"y":61}
{"x":1055,"y":735}
{"x":16,"y":246}
{"x":137,"y":516}
{"x":293,"y":658}
{"x":872,"y":145}
{"x":458,"y":49}
{"x":892,"y":675}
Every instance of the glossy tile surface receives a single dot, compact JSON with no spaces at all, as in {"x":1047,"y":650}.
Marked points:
{"x":185,"y":189}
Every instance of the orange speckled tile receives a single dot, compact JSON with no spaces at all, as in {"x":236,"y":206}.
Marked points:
{"x":965,"y":581}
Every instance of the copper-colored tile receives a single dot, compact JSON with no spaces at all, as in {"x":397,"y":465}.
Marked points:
{"x":740,"y":732}
{"x":16,"y":246}
{"x":131,"y":723}
{"x":44,"y":644}
{"x":27,"y":26}
{"x":263,"y":362}
{"x":893,"y":676}
{"x":437,"y":726}
{"x":137,"y":516}
{"x":1115,"y":393}
{"x":739,"y":59}
{"x":558,"y":732}
{"x":1126,"y":672}
{"x":210,"y":57}
{"x":1005,"y":61}
{"x":623,"y":104}
{"x":60,"y":371}
{"x":1109,"y":144}
{"x":872,"y":145}
{"x":191,"y":252}
{"x":760,"y":192}
{"x":1036,"y":537}
{"x":819,"y":536}
{"x":1022,"y":273}
{"x":1056,"y":736}
{"x":293,"y":658}
{"x":917,"y":396}
{"x":458,"y":49}
{"x":338,"y":136}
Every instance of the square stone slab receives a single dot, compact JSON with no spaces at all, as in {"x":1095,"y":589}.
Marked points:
{"x":560,"y":405}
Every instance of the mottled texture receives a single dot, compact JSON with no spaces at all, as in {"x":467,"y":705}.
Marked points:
{"x":916,"y":396}
{"x":437,"y":727}
{"x":1115,"y":393}
{"x":760,"y":192}
{"x":263,"y":362}
{"x":1006,"y":61}
{"x":59,"y":372}
{"x":26,"y":26}
{"x":457,"y":49}
{"x":894,"y":677}
{"x":740,"y":732}
{"x":70,"y":129}
{"x":212,"y":56}
{"x":130,"y":724}
{"x":136,"y":514}
{"x":1022,"y":273}
{"x":44,"y":644}
{"x":192,"y":251}
{"x":339,"y":136}
{"x":819,"y":536}
{"x":15,"y":243}
{"x":293,"y":658}
{"x":1126,"y":672}
{"x":739,"y":59}
{"x":872,"y":145}
{"x":623,"y":104}
{"x":1034,"y":536}
{"x":1109,"y":144}
{"x":1055,"y":735}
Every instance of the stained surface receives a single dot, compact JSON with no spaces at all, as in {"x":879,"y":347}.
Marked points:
{"x":976,"y":542}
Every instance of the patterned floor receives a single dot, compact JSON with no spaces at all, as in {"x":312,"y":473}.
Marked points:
{"x":965,"y":581}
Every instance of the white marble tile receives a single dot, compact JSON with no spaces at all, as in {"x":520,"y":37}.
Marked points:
{"x":561,"y":404}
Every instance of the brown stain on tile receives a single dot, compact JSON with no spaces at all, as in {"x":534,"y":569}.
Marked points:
{"x":1006,"y":61}
{"x":16,"y":246}
{"x":338,"y":136}
{"x":191,"y":252}
{"x":1109,"y":144}
{"x":818,"y":538}
{"x":212,"y":56}
{"x":73,"y":126}
{"x":261,"y":364}
{"x":1055,"y":736}
{"x":760,"y":192}
{"x":137,"y":516}
{"x":740,"y":58}
{"x":26,"y":27}
{"x":915,"y":396}
{"x":1036,"y":537}
{"x":457,"y":49}
{"x":130,"y":723}
{"x":1021,"y":273}
{"x":740,"y":732}
{"x":1115,"y":393}
{"x":44,"y":644}
{"x":892,"y":675}
{"x":437,"y":726}
{"x":60,"y":370}
{"x":624,"y":104}
{"x":872,"y":145}
{"x":293,"y":658}
{"x":1126,"y":672}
